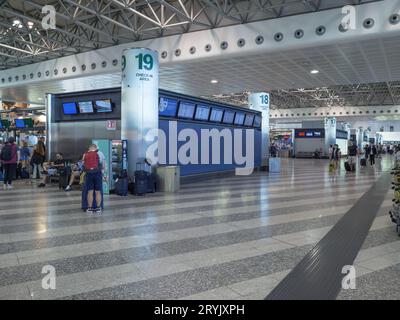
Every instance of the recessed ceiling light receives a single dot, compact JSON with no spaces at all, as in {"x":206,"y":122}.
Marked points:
{"x":314,"y":71}
{"x":214,"y":81}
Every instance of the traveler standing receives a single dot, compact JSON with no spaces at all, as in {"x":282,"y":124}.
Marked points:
{"x":25,"y":155}
{"x":372,"y":153}
{"x":330,"y":151}
{"x":273,"y":150}
{"x":367,"y":151}
{"x":37,"y":160}
{"x":94,"y":164}
{"x":336,"y":154}
{"x":9,"y":157}
{"x":352,"y":152}
{"x":42,"y":143}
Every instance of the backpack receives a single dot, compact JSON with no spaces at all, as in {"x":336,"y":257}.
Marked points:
{"x":6,"y":152}
{"x":92,"y":161}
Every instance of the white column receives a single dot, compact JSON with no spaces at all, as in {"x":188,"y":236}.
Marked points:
{"x":330,"y":133}
{"x":139,"y":103}
{"x":260,"y":102}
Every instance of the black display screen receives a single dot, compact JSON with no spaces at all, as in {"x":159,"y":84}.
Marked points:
{"x":202,"y":113}
{"x":239,"y":118}
{"x":216,"y":115}
{"x":229,"y":116}
{"x":85,"y":107}
{"x":186,"y":110}
{"x":257,"y":122}
{"x":248,"y":122}
{"x":167,"y":107}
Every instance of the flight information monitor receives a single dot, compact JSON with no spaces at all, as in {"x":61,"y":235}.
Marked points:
{"x":239,"y":119}
{"x":257,"y":122}
{"x":248,"y":122}
{"x":202,"y":113}
{"x":229,"y":116}
{"x":28,"y":123}
{"x":70,"y":108}
{"x":103,"y":106}
{"x":86,"y":107}
{"x":216,"y":115}
{"x":19,"y":123}
{"x":186,"y":110}
{"x":167,"y":107}
{"x":5,"y":124}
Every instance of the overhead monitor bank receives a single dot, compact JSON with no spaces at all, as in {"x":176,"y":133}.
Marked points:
{"x":78,"y":118}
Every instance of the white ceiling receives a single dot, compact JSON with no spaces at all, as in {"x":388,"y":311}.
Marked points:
{"x":352,"y":60}
{"x":367,"y":61}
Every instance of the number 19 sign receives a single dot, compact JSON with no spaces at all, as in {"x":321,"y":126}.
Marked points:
{"x":139,"y":101}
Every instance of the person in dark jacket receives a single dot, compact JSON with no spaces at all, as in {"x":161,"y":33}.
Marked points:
{"x":10,"y":158}
{"x":273,"y":151}
{"x":372,"y":153}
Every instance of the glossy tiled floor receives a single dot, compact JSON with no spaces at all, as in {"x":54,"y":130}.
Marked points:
{"x":231,"y":238}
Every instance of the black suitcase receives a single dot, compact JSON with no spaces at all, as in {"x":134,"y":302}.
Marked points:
{"x":141,"y":185}
{"x":349,"y":167}
{"x":121,"y":184}
{"x":363,"y":162}
{"x":145,"y":182}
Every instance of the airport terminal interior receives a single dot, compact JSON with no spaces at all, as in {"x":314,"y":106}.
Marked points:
{"x":200,"y":150}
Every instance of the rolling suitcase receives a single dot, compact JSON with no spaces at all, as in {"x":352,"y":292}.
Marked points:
{"x":121,"y":184}
{"x":24,"y":173}
{"x":145,"y":182}
{"x":363,"y":162}
{"x":141,"y":185}
{"x":349,"y":167}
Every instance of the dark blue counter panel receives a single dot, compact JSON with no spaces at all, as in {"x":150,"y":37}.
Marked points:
{"x":191,"y":169}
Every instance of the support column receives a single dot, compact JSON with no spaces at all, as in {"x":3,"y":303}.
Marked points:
{"x":360,"y":137}
{"x":139,"y":101}
{"x":330,"y":133}
{"x":260,"y":102}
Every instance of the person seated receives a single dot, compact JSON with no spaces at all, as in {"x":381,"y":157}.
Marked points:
{"x":51,"y":168}
{"x":77,"y":170}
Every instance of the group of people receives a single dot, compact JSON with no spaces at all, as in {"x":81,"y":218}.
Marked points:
{"x":15,"y":158}
{"x":371,"y":152}
{"x":90,"y":167}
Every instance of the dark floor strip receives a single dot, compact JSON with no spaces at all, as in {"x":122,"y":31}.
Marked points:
{"x":319,"y":275}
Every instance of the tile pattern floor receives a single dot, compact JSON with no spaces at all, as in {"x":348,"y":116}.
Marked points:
{"x":230,"y":238}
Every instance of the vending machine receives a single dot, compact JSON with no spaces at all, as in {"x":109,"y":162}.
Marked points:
{"x":116,"y":157}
